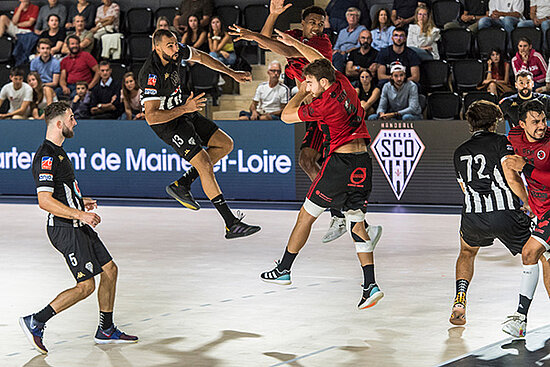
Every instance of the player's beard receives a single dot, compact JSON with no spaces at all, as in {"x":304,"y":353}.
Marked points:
{"x":168,"y":58}
{"x":525,"y":92}
{"x":534,"y":137}
{"x":66,"y":132}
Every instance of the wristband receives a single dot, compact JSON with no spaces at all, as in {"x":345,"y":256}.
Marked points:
{"x":528,"y":170}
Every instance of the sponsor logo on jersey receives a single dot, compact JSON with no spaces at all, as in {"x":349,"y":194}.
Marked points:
{"x":166,"y":76}
{"x":398,"y":153}
{"x":77,"y":189}
{"x":357,"y":177}
{"x":80,"y":275}
{"x":323,"y":196}
{"x":541,"y":154}
{"x":191,"y":141}
{"x":60,"y":157}
{"x":89,"y":266}
{"x":150,"y":91}
{"x":47,"y":162}
{"x":152,"y":80}
{"x":45,"y":177}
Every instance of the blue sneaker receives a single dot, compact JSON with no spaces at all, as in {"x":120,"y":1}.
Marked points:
{"x":276,"y":276}
{"x":34,"y":331}
{"x":113,"y":336}
{"x":371,"y":296}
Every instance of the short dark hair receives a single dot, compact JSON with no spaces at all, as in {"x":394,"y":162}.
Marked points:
{"x":483,"y":115}
{"x":74,"y":37}
{"x":525,"y":39}
{"x":54,"y":15}
{"x":313,"y":9}
{"x":44,"y":41}
{"x":399,"y":29}
{"x":82,"y":83}
{"x":54,"y":110}
{"x":17,"y":72}
{"x":533,"y":105}
{"x":159,"y":33}
{"x":321,"y":68}
{"x":104,"y":63}
{"x":525,"y":74}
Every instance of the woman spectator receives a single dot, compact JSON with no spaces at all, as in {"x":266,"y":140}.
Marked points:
{"x":497,"y":80}
{"x":368,"y":92}
{"x":382,"y":31}
{"x":41,"y":96}
{"x":130,"y":96}
{"x":423,"y":35}
{"x":107,"y":21}
{"x":84,"y":8}
{"x":220,"y":43}
{"x":195,"y":36}
{"x":54,"y":34}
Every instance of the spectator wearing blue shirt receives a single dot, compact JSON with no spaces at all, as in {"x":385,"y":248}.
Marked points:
{"x":336,"y":13}
{"x":382,"y":30}
{"x":348,"y":39}
{"x":46,"y":65}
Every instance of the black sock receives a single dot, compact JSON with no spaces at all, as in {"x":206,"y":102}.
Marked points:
{"x":105,"y":320}
{"x":524,"y":304}
{"x":336,"y":213}
{"x":287,"y":260}
{"x":368,"y":275}
{"x":47,"y":313}
{"x":188,"y":177}
{"x":223,"y":209}
{"x":366,"y":224}
{"x":461,"y":289}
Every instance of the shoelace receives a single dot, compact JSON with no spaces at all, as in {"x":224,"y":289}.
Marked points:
{"x":240,"y":215}
{"x":513,"y":318}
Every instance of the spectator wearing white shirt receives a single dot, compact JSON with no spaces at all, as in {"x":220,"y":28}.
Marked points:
{"x":423,"y":35}
{"x":539,"y":12}
{"x":270,"y":99}
{"x":545,"y":88}
{"x":19,"y":94}
{"x":503,"y":13}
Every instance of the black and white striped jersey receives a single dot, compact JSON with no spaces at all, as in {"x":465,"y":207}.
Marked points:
{"x":53,"y":172}
{"x":478,"y":167}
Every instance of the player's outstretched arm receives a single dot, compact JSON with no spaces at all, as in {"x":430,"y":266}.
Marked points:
{"x":306,"y":51}
{"x":264,"y":42}
{"x":210,"y":62}
{"x":47,"y":202}
{"x":290,"y":112}
{"x":154,"y":115}
{"x":276,"y":8}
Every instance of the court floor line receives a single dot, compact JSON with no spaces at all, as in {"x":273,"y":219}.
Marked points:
{"x":304,"y":356}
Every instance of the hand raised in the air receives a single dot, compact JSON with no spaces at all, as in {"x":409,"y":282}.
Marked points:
{"x":194,"y":103}
{"x":285,"y":38}
{"x":242,"y":76}
{"x":278,"y":6}
{"x":241,"y":33}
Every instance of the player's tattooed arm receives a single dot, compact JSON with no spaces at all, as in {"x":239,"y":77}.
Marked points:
{"x":210,"y":62}
{"x":264,"y":42}
{"x":47,"y":202}
{"x":306,"y":51}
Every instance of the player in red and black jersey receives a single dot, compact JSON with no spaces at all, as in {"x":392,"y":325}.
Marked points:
{"x":345,"y":179}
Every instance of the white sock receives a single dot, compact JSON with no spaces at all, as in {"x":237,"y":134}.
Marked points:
{"x":529,"y":280}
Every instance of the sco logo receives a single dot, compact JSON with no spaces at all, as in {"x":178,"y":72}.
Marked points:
{"x":397,"y":152}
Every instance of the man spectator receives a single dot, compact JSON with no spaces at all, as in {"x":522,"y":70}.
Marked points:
{"x":270,"y":99}
{"x":81,"y":101}
{"x":52,"y":7}
{"x":19,"y":94}
{"x":503,"y":13}
{"x":528,"y":59}
{"x":473,"y":12}
{"x":399,"y":100}
{"x":23,"y":19}
{"x":202,"y":8}
{"x":402,"y":13}
{"x":362,"y":58}
{"x":86,"y":36}
{"x":77,"y":66}
{"x":348,"y":39}
{"x":46,"y":65}
{"x":336,"y":13}
{"x":398,"y":52}
{"x":539,"y":12}
{"x":105,"y":96}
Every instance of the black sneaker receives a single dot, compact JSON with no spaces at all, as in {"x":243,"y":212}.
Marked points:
{"x":276,"y":276}
{"x":34,"y":331}
{"x":183,"y":195}
{"x":371,"y":296}
{"x":240,"y":229}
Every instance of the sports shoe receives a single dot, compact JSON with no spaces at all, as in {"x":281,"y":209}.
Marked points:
{"x":183,"y":195}
{"x":336,"y":229}
{"x":458,"y":313}
{"x":113,"y":336}
{"x":276,"y":276}
{"x":34,"y":331}
{"x":374,"y":232}
{"x":515,"y":325}
{"x":240,"y":228}
{"x":370,"y":297}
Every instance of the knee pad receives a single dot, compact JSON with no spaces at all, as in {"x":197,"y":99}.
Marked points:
{"x":360,"y":244}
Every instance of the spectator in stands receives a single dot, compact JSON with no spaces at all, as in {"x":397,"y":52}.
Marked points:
{"x":42,"y":95}
{"x":528,"y":59}
{"x":195,"y":35}
{"x":77,"y":66}
{"x":398,"y":52}
{"x":540,"y":17}
{"x":399,"y":99}
{"x":23,"y":20}
{"x":423,"y":35}
{"x":368,"y":92}
{"x":473,"y":12}
{"x":107,"y":21}
{"x":202,"y":8}
{"x":503,"y":13}
{"x":130,"y":96}
{"x":19,"y":95}
{"x":162,"y":23}
{"x":105,"y":96}
{"x":220,"y":42}
{"x":382,"y":30}
{"x":271,"y":97}
{"x":497,"y":80}
{"x":80,"y":104}
{"x":336,"y":19}
{"x":84,"y":8}
{"x":54,"y":34}
{"x":86,"y":36}
{"x":362,"y":58}
{"x":402,"y":13}
{"x":348,"y":39}
{"x":52,"y":7}
{"x":47,"y":66}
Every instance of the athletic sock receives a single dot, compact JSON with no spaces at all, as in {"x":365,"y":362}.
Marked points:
{"x":105,"y":320}
{"x":461,"y":289}
{"x":45,"y":314}
{"x":287,"y":260}
{"x":223,"y":209}
{"x":336,"y":213}
{"x":188,"y":177}
{"x":529,"y":280}
{"x":368,"y":275}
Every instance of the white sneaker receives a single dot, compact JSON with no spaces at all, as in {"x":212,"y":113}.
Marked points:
{"x":515,"y":325}
{"x":374,"y":232}
{"x":336,"y":229}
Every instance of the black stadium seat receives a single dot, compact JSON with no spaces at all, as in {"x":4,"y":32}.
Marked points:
{"x":203,"y":79}
{"x":118,"y":71}
{"x":135,"y":68}
{"x":6,"y":49}
{"x":139,"y":47}
{"x":444,"y":106}
{"x":445,"y":11}
{"x":167,"y":12}
{"x":533,"y":34}
{"x":488,"y":38}
{"x":456,"y":42}
{"x":5,"y":70}
{"x":473,"y":96}
{"x":467,"y":74}
{"x":255,"y":16}
{"x":139,"y":21}
{"x":229,"y":14}
{"x":434,"y":75}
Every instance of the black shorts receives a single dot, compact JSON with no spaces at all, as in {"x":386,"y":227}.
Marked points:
{"x":313,"y":138}
{"x":84,"y":252}
{"x":344,"y":182}
{"x":542,"y":230}
{"x":512,"y":228}
{"x":186,"y":134}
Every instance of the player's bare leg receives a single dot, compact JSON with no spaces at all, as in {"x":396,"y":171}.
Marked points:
{"x":308,"y":161}
{"x":464,"y":274}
